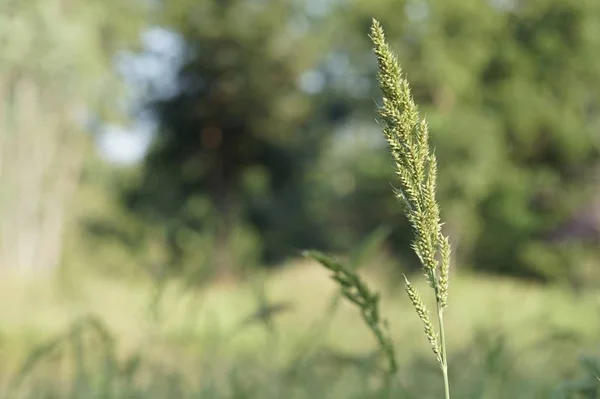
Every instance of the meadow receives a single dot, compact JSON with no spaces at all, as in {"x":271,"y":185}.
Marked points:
{"x":102,"y":338}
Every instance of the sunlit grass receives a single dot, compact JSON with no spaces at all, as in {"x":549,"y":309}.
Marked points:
{"x":33,"y":310}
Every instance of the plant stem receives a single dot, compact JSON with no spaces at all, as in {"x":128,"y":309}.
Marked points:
{"x":440,"y":312}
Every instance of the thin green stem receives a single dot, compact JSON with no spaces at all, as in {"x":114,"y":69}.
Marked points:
{"x":440,"y":312}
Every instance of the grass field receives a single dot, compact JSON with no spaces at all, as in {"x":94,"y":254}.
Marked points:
{"x":506,"y":339}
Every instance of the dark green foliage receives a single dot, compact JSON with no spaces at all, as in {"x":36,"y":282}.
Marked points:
{"x":511,"y":97}
{"x":510,"y":93}
{"x":236,"y":133}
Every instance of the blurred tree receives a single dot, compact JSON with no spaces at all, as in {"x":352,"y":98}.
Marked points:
{"x":266,"y":135}
{"x":55,"y":66}
{"x":237,"y":133}
{"x":511,"y":91}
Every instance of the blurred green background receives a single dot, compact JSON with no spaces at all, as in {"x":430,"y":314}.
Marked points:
{"x":163,"y":163}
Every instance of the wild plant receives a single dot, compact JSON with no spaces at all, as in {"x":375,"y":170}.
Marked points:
{"x":407,"y":135}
